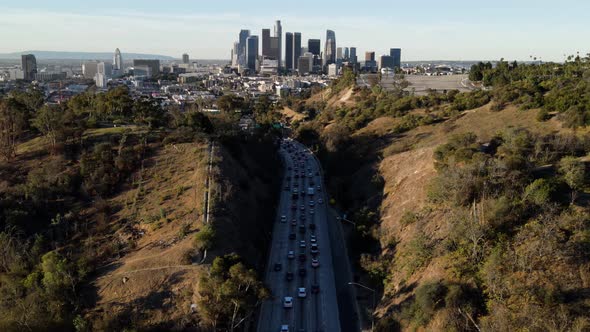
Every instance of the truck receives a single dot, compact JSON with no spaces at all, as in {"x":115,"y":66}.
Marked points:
{"x":310,"y":191}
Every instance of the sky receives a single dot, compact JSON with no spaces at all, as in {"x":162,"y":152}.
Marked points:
{"x":424,"y":29}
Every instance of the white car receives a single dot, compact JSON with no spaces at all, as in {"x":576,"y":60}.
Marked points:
{"x":311,"y":211}
{"x":288,"y":302}
{"x":301,"y":292}
{"x":284,"y":328}
{"x":315,"y":263}
{"x":283,"y":218}
{"x":312,"y":239}
{"x":291,"y":254}
{"x":302,"y":244}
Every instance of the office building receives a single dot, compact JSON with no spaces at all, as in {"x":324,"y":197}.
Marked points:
{"x":153,"y":65}
{"x":288,"y":51}
{"x":279,"y":42}
{"x":386,"y":61}
{"x":251,"y":52}
{"x":369,"y":56}
{"x":50,"y":76}
{"x":89,"y":69}
{"x":244,"y":34}
{"x":266,"y":52}
{"x":313,"y":46}
{"x":396,"y":54}
{"x":330,"y":48}
{"x":339,"y":53}
{"x":269,"y":66}
{"x":305,"y":63}
{"x":118,"y":61}
{"x":346,"y":54}
{"x":104,"y":68}
{"x":333,"y":70}
{"x":185,"y":59}
{"x":296,"y":49}
{"x":29,"y":66}
{"x":353,"y":58}
{"x":234,"y":54}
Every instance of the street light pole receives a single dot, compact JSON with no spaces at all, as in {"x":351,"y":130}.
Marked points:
{"x":374,"y":294}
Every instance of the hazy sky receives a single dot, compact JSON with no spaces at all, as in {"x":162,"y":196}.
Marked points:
{"x":424,"y":29}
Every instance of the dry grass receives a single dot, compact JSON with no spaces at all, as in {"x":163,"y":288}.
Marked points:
{"x":164,"y":198}
{"x":292,"y":115}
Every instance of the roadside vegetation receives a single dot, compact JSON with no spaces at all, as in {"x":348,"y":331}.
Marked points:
{"x":63,"y":167}
{"x":493,"y":231}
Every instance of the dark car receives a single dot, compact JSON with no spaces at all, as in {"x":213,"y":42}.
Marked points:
{"x":278,"y":267}
{"x":302,"y":217}
{"x":302,"y":258}
{"x":315,"y":288}
{"x":292,"y":236}
{"x":302,"y":272}
{"x":289,"y":276}
{"x":312,"y":226}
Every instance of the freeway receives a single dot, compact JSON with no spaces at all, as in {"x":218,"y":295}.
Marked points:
{"x":300,"y":217}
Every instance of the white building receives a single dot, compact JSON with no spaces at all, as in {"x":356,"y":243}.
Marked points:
{"x":333,"y":70}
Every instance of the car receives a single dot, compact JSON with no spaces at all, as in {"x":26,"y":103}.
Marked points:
{"x":317,"y":173}
{"x":311,"y":203}
{"x":309,"y":175}
{"x":301,"y":292}
{"x":302,"y":217}
{"x":302,"y":207}
{"x":319,"y":188}
{"x":312,"y":238}
{"x":314,"y":249}
{"x":297,"y":176}
{"x":278,"y":267}
{"x":284,"y":328}
{"x":311,"y":226}
{"x":288,"y":302}
{"x":311,"y":211}
{"x":291,"y":254}
{"x":283,"y":218}
{"x":302,"y":257}
{"x":293,"y":206}
{"x":292,"y":236}
{"x":302,"y":272}
{"x":293,"y":222}
{"x":315,"y":262}
{"x":315,"y":288}
{"x":320,"y":201}
{"x":287,"y":188}
{"x":302,"y":244}
{"x":289,"y":276}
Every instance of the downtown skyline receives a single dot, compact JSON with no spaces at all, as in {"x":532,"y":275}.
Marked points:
{"x":430,"y":31}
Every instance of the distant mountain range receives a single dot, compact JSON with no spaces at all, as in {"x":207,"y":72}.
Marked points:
{"x":57,"y":55}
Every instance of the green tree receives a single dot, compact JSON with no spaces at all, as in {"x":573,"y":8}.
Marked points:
{"x":50,"y":121}
{"x":573,"y":173}
{"x":12,"y":123}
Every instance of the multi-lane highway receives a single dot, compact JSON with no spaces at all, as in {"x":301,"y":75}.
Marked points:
{"x":300,"y":255}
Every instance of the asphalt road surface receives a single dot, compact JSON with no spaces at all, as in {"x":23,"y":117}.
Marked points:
{"x":315,"y":311}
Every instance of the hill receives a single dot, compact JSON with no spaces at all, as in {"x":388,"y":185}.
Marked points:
{"x":467,"y":214}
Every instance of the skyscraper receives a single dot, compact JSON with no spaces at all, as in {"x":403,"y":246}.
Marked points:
{"x":266,"y":52}
{"x":330,"y":48}
{"x":289,"y":51}
{"x":153,"y":66}
{"x":339,"y":53}
{"x":234,"y":54}
{"x":185,"y":58}
{"x":279,"y":35}
{"x":396,"y":54}
{"x":313,"y":46}
{"x":244,"y":34}
{"x":346,"y":54}
{"x":353,"y":58}
{"x":89,"y":69}
{"x":386,"y":61}
{"x":117,"y":61}
{"x":252,"y":52}
{"x":369,"y":56}
{"x":296,"y":49}
{"x":29,"y":65}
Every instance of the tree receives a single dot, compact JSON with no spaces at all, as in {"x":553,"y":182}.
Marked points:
{"x":12,"y":124}
{"x":573,"y":173}
{"x":205,"y":238}
{"x":148,"y":112}
{"x":50,"y":122}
